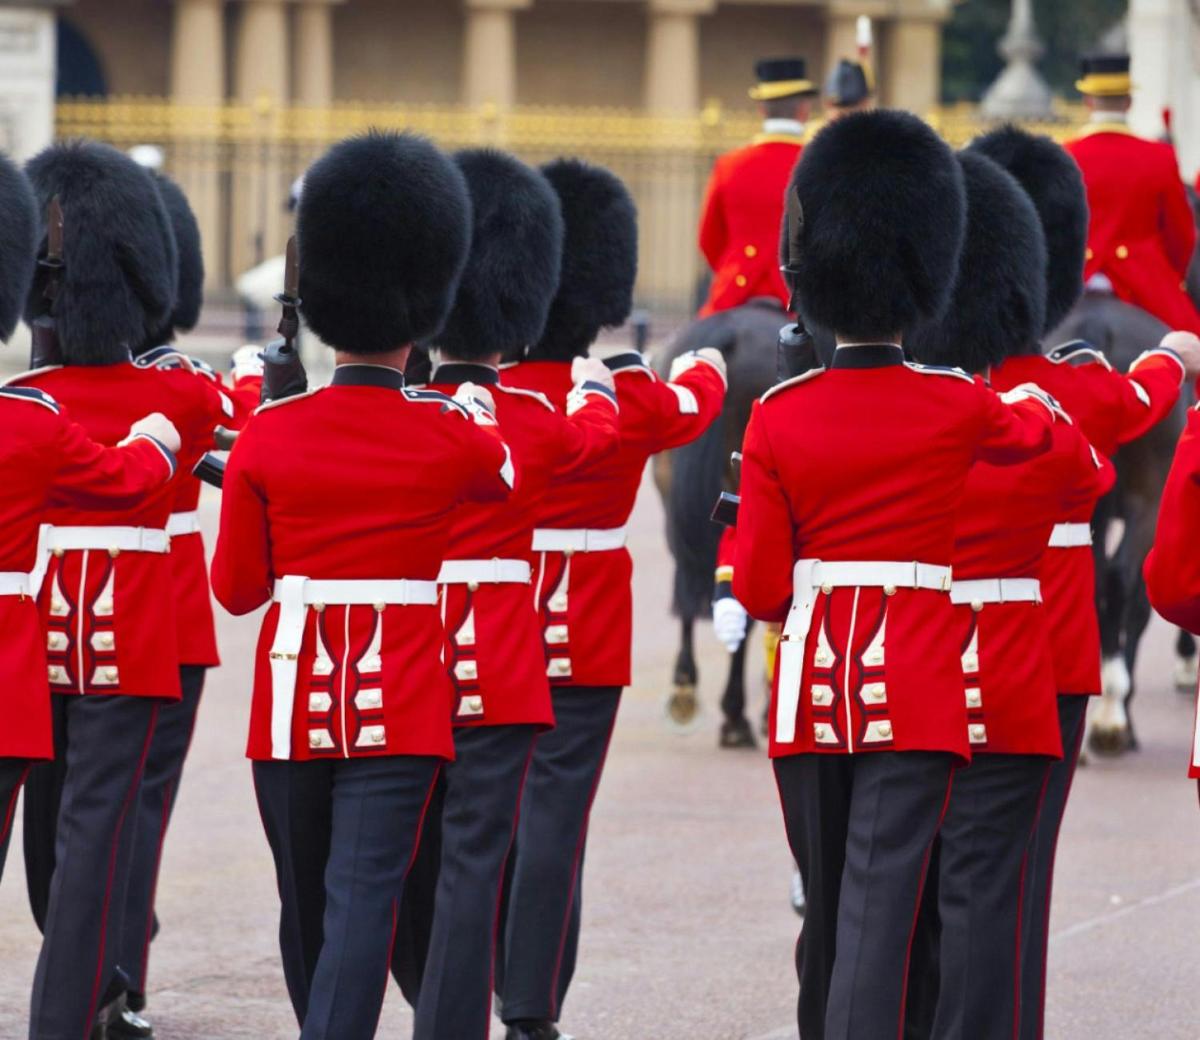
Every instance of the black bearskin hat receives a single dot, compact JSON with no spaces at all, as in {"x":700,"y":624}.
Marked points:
{"x":999,"y":301}
{"x":599,"y":264}
{"x":1053,"y":181}
{"x":118,"y":281}
{"x":881,"y":200}
{"x":189,"y":292}
{"x":383,"y":229}
{"x":516,"y":253}
{"x":18,"y":243}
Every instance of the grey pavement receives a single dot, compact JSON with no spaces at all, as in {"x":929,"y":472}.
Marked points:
{"x":687,"y":930}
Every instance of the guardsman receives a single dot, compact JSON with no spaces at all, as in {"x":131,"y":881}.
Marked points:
{"x":851,"y":480}
{"x":45,"y":459}
{"x":1110,"y":408}
{"x":350,"y":719}
{"x":739,"y":224}
{"x":496,"y":660}
{"x":1142,"y":232}
{"x":1004,"y":522}
{"x":847,"y":89}
{"x":583,"y":573}
{"x":1171,"y":571}
{"x":106,"y":595}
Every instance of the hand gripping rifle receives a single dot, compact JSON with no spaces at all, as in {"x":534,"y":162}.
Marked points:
{"x":283,"y":371}
{"x":45,"y":349}
{"x":793,"y":353}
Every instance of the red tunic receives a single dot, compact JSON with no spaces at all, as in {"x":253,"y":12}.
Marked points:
{"x":497,"y":660}
{"x":353,"y":481}
{"x":1003,"y":526}
{"x":1172,"y":568}
{"x":1142,"y":231}
{"x":47,"y":460}
{"x":586,"y":598}
{"x":739,"y":226}
{"x":112,"y":618}
{"x":870,"y":464}
{"x":1110,"y":409}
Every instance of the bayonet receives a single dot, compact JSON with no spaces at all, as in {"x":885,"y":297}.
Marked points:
{"x":45,"y":349}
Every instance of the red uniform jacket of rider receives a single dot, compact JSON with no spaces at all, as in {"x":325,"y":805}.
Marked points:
{"x":863,"y":464}
{"x":1110,"y":408}
{"x":586,"y":598}
{"x":45,"y":461}
{"x":354,"y":482}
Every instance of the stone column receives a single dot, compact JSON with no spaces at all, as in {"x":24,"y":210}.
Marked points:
{"x":912,"y":64}
{"x":260,"y":179}
{"x":672,"y":84}
{"x":489,"y":69}
{"x":313,"y":65}
{"x":27,"y":62}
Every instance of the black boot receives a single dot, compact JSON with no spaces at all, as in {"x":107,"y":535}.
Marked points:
{"x":534,"y":1029}
{"x":127,"y":1024}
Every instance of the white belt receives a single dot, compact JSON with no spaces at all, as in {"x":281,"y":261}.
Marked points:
{"x":295,"y":595}
{"x":1070,"y":536}
{"x":978,"y":591}
{"x":485,"y":572}
{"x":812,"y":576}
{"x":15,"y":583}
{"x":578,"y":539}
{"x":57,"y":540}
{"x":183,"y":523}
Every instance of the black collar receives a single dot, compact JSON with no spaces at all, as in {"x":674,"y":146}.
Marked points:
{"x":465,"y":372}
{"x":626,"y":359}
{"x":868,"y":355}
{"x":368,"y":375}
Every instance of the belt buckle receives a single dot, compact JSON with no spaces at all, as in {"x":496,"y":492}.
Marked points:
{"x":279,"y":655}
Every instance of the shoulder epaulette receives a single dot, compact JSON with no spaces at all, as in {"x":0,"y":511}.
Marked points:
{"x":266,"y":406}
{"x":1077,"y":352}
{"x":537,"y":395}
{"x":20,"y":377}
{"x":628,"y":361}
{"x":164,"y":357}
{"x":434,"y":397}
{"x":939,"y":370}
{"x":787,"y":384}
{"x":31,"y":394}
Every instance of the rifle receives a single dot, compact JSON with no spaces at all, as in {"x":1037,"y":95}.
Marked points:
{"x":283,"y":371}
{"x":45,"y":348}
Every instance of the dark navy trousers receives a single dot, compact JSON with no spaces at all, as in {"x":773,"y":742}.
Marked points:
{"x":343,"y":834}
{"x":543,"y":897}
{"x":12,"y":776}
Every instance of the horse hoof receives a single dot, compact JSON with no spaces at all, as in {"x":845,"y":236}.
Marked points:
{"x":1186,"y":674}
{"x":682,"y":707}
{"x":1108,"y":742}
{"x":736,"y":733}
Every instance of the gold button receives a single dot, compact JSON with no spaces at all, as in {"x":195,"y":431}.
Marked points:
{"x":977,"y":605}
{"x":740,"y":280}
{"x":820,"y":731}
{"x":885,"y":729}
{"x":380,"y":607}
{"x":110,"y":674}
{"x":889,"y":590}
{"x":106,"y":640}
{"x":314,"y":740}
{"x":1089,"y":253}
{"x":105,"y":606}
{"x":114,"y":552}
{"x":973,"y":699}
{"x":568,"y":552}
{"x":57,"y":552}
{"x":978,"y":733}
{"x":1122,"y":252}
{"x":58,"y":606}
{"x":475,"y":704}
{"x":827,"y":589}
{"x":473,"y":586}
{"x":750,"y":251}
{"x":877,"y":692}
{"x":318,"y":607}
{"x":377,"y":736}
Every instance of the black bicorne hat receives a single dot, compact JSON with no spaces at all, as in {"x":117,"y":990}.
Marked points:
{"x":847,"y":85}
{"x":117,"y":286}
{"x":189,"y":285}
{"x":999,"y":302}
{"x":599,"y":260}
{"x":1054,"y":182}
{"x":516,"y":255}
{"x":874,"y":224}
{"x":18,"y":243}
{"x":780,"y":78}
{"x":1105,"y":75}
{"x":383,"y":227}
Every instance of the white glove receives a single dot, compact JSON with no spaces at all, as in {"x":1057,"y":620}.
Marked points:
{"x":1187,"y":346}
{"x":692,"y":358}
{"x":729,"y":622}
{"x":478,"y":401}
{"x":159,"y":427}
{"x":246,"y":361}
{"x":592,"y":370}
{"x":1033,"y":392}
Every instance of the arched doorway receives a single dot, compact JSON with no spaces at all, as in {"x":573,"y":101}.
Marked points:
{"x":79,"y":72}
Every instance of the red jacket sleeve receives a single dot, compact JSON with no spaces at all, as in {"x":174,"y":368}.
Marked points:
{"x":241,"y":568}
{"x":1178,"y":223}
{"x":1149,"y":391}
{"x":1087,"y":475}
{"x":1012,"y":433}
{"x":485,"y":466}
{"x":88,"y":475}
{"x":589,"y":432}
{"x":762,"y":582}
{"x":673,"y":413}
{"x":713,"y":233}
{"x":1172,"y":568}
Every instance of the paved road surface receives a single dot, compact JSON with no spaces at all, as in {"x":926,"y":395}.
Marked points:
{"x":688,"y":934}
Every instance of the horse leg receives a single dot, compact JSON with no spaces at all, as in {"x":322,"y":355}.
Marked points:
{"x":1187,"y":663}
{"x":735,"y":730}
{"x":1137,"y":618}
{"x":1107,"y":721}
{"x":682,"y":706}
{"x":1139,"y":537}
